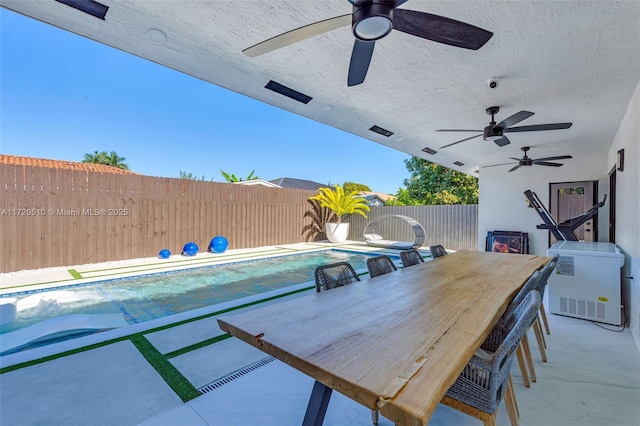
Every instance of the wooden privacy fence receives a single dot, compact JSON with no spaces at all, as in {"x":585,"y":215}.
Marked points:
{"x":55,"y":217}
{"x":453,"y":226}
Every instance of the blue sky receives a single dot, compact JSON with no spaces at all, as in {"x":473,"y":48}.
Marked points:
{"x":63,"y":96}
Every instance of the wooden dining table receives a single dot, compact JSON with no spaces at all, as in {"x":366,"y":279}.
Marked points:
{"x":396,"y":342}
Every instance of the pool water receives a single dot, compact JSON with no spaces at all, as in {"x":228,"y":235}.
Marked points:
{"x":149,"y":297}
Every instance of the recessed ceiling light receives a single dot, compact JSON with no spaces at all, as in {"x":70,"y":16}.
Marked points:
{"x":157,"y":35}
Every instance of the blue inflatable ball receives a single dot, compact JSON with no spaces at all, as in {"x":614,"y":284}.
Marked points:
{"x":219,"y":244}
{"x":164,"y":254}
{"x":190,"y":249}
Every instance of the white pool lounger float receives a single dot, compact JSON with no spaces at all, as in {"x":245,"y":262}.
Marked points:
{"x":58,"y":327}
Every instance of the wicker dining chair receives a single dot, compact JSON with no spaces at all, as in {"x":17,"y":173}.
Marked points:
{"x":380,"y":265}
{"x":546,"y":273}
{"x":523,"y":353}
{"x":410,"y":257}
{"x":334,"y":275}
{"x":486,"y":380}
{"x":437,"y":251}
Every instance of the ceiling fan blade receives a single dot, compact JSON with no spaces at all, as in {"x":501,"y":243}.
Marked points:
{"x":496,"y":165}
{"x":297,"y":35}
{"x":462,"y":140}
{"x":559,"y":157}
{"x":502,"y":141}
{"x":514,"y":119}
{"x":440,"y":29}
{"x":544,"y":163}
{"x":360,"y":60}
{"x":514,"y":158}
{"x":514,"y":168}
{"x":458,"y":130}
{"x":538,"y":127}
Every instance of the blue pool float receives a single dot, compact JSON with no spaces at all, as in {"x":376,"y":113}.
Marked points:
{"x":218,"y":244}
{"x":164,"y":254}
{"x":190,"y":249}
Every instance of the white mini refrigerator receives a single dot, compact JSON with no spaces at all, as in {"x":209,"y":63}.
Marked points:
{"x":586,"y":281}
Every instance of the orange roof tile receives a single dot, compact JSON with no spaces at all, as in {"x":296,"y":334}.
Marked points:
{"x":61,"y":164}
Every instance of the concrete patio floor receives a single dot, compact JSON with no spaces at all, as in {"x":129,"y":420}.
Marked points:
{"x":592,"y":378}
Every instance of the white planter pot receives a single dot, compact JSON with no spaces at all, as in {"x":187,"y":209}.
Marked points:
{"x":337,"y":232}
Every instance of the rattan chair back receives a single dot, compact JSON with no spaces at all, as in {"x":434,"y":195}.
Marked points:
{"x":380,"y":265}
{"x":334,"y":275}
{"x":410,"y":257}
{"x":437,"y":251}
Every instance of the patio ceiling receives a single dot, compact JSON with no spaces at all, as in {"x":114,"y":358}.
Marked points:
{"x":566,"y":61}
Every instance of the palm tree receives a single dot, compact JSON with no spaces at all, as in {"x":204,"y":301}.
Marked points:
{"x":107,"y":159}
{"x":341,"y":202}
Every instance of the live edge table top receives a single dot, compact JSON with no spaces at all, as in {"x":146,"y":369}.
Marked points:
{"x":396,"y":342}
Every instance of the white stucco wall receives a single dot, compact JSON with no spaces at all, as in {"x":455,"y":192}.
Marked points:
{"x":628,"y":208}
{"x":502,"y":202}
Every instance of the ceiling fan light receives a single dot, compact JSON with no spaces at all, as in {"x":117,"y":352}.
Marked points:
{"x":372,"y":28}
{"x":492,"y":137}
{"x":372,"y":20}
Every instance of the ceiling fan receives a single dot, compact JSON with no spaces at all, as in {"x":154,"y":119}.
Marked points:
{"x":372,"y":20}
{"x":526,"y":161}
{"x":494,"y":132}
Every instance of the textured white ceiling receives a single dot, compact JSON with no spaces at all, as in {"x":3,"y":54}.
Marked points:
{"x":566,"y":61}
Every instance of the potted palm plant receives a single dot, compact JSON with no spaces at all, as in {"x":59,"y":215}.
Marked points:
{"x":340,"y":203}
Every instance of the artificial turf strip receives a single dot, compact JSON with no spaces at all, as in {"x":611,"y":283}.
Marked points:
{"x":75,"y":274}
{"x":167,"y":371}
{"x":197,"y":346}
{"x":61,"y":354}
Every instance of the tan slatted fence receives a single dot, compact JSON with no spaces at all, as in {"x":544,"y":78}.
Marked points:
{"x":453,"y":226}
{"x":53,"y":217}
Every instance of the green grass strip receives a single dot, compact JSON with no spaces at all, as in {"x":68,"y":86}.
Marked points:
{"x":169,"y":373}
{"x":197,"y":346}
{"x":61,"y":354}
{"x":75,"y":274}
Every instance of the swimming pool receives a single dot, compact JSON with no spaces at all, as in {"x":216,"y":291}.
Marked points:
{"x":152,"y":296}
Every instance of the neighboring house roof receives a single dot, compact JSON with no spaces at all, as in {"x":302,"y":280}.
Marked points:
{"x":369,"y":195}
{"x":257,"y":182}
{"x":61,"y":164}
{"x":298,"y":184}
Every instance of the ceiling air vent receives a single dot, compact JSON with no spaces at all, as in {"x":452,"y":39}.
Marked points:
{"x":457,"y":163}
{"x":381,"y":131}
{"x":91,"y":7}
{"x":288,"y":92}
{"x":429,"y":150}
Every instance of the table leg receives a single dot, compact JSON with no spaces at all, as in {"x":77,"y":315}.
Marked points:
{"x":318,"y":403}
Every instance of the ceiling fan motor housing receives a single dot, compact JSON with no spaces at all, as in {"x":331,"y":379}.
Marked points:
{"x":372,"y":20}
{"x":492,"y":133}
